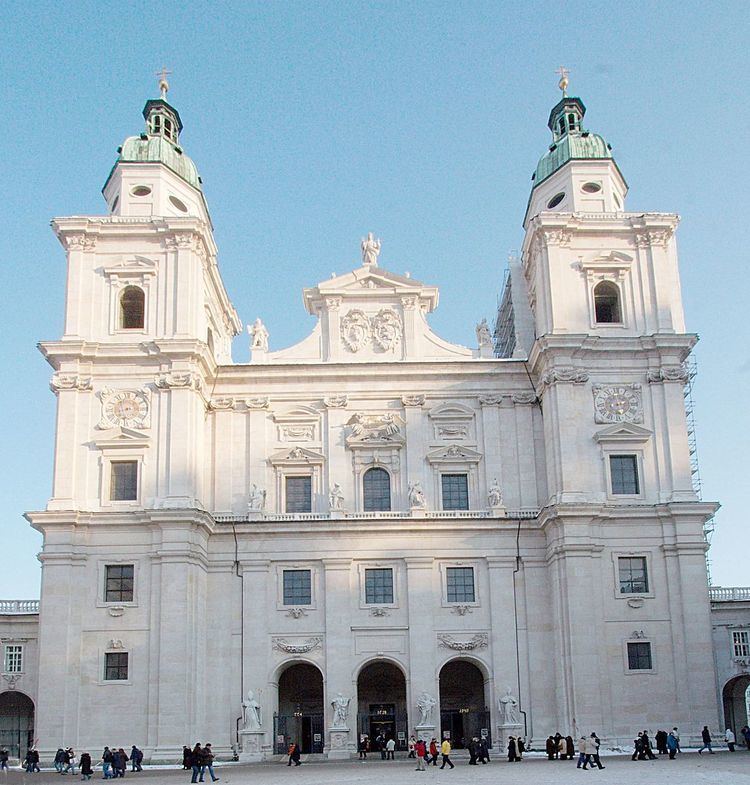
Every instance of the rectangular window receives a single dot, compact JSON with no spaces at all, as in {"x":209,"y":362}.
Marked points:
{"x":116,"y":666}
{"x":13,"y":658}
{"x":633,"y":575}
{"x":455,"y":491}
{"x":460,"y":584}
{"x":118,"y":582}
{"x":378,"y":586}
{"x":740,"y":644}
{"x":623,"y":471}
{"x":639,"y":656}
{"x":297,"y":587}
{"x":123,"y":485}
{"x":298,"y":494}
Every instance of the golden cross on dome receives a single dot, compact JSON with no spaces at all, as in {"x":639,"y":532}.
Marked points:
{"x":163,"y":83}
{"x":563,"y":83}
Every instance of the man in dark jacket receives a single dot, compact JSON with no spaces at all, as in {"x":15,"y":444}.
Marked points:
{"x":196,"y":761}
{"x":107,"y":763}
{"x":706,"y":736}
{"x":136,"y":756}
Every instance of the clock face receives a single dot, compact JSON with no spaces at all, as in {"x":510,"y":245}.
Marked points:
{"x":126,"y":407}
{"x":618,"y":403}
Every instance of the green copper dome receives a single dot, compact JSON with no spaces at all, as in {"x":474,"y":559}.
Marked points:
{"x":570,"y":141}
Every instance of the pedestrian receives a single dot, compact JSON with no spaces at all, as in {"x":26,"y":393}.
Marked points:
{"x":583,"y":755}
{"x":746,"y":736}
{"x":661,"y":742}
{"x":512,"y":750}
{"x":638,"y":747}
{"x":32,"y":761}
{"x":567,"y":748}
{"x":483,"y":751}
{"x":136,"y":756}
{"x":433,"y":752}
{"x":362,"y":747}
{"x":412,"y":747}
{"x":380,"y":741}
{"x":122,"y":761}
{"x":208,"y":763}
{"x":4,"y":759}
{"x":185,"y":757}
{"x":676,"y":734}
{"x":551,"y":748}
{"x":196,"y":759}
{"x":294,"y":754}
{"x":445,"y":751}
{"x":706,"y":736}
{"x":107,"y":764}
{"x":70,"y":761}
{"x":729,"y":739}
{"x":473,"y":751}
{"x":86,"y":770}
{"x":648,"y":751}
{"x":420,"y":749}
{"x":390,"y":748}
{"x":593,"y":751}
{"x":671,"y":745}
{"x":59,"y":761}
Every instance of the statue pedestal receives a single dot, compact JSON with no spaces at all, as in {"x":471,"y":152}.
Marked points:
{"x":339,"y":747}
{"x":505,"y":731}
{"x":486,"y":351}
{"x":498,"y":512}
{"x":417,"y":512}
{"x":255,"y":515}
{"x":251,"y":744}
{"x":338,"y":515}
{"x":426,"y":733}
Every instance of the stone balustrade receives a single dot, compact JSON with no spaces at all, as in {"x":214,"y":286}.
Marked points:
{"x":18,"y":606}
{"x":729,"y":593}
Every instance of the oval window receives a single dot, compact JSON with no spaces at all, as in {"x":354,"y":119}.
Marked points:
{"x":591,"y":188}
{"x":555,"y":200}
{"x":178,"y":204}
{"x":141,"y":190}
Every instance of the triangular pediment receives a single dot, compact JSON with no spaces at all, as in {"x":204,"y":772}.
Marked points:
{"x":454,"y":454}
{"x":296,"y":456}
{"x":623,"y":432}
{"x":133,"y":265}
{"x":121,"y":437}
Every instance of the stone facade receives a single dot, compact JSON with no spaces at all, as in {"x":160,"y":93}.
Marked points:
{"x":423,"y":529}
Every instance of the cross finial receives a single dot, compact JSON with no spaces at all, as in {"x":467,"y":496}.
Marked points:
{"x":163,"y":83}
{"x":563,"y":83}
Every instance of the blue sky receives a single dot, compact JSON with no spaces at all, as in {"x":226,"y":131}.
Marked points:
{"x":312,"y":123}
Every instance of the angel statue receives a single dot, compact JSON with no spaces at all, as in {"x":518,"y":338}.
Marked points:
{"x":425,"y":704}
{"x":340,"y":710}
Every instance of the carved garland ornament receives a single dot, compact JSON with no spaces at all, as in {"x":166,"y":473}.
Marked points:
{"x":281,"y":644}
{"x":69,"y":381}
{"x":355,"y":330}
{"x":617,"y":403}
{"x":479,"y":641}
{"x":677,"y":373}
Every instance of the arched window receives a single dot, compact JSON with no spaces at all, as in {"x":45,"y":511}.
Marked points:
{"x":132,"y":308}
{"x":167,"y":128}
{"x":607,"y":303}
{"x":376,"y":490}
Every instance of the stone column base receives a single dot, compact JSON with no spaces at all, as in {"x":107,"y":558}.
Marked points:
{"x":504,"y":732}
{"x":426,"y":732}
{"x":251,"y":744}
{"x":339,"y":747}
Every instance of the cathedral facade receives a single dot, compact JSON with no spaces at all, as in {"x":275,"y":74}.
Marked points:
{"x":374,"y":532}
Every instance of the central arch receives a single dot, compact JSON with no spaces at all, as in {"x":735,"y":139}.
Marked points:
{"x":381,"y":705}
{"x":464,"y":712}
{"x":16,"y":723}
{"x":300,"y":717}
{"x":734,"y":698}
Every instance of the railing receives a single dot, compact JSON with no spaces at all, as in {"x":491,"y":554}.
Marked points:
{"x":19,"y":606}
{"x":273,"y":517}
{"x":735,"y":593}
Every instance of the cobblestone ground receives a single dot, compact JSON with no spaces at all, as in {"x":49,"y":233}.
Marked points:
{"x":722,"y":768}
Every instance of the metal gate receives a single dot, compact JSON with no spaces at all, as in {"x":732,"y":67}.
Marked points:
{"x":16,"y":723}
{"x":305,"y":729}
{"x":386,"y":718}
{"x":461,"y":725}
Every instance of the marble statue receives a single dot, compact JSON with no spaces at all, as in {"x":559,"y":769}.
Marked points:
{"x":484,"y":336}
{"x":340,"y":710}
{"x":259,"y":335}
{"x":370,"y":250}
{"x":336,"y":498}
{"x":495,"y":495}
{"x":251,"y":712}
{"x":257,"y":499}
{"x":425,"y":704}
{"x":508,"y":706}
{"x":416,"y":495}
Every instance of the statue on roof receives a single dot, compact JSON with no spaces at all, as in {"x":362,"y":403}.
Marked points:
{"x":484,"y":336}
{"x":259,"y":335}
{"x":370,"y":250}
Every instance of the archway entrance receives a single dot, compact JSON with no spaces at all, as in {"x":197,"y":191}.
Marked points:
{"x":381,"y":705}
{"x":463,"y":707}
{"x":734,"y":698}
{"x":300,"y":716}
{"x":16,"y":723}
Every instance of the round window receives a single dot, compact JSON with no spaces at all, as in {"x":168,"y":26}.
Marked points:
{"x":555,"y":200}
{"x":178,"y":204}
{"x":591,"y":188}
{"x":141,"y":190}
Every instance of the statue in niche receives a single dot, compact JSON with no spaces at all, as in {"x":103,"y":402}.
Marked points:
{"x":257,"y":500}
{"x":340,"y":710}
{"x":495,"y":495}
{"x":484,"y":336}
{"x":370,"y":250}
{"x":336,"y":497}
{"x":251,"y":712}
{"x":425,"y":703}
{"x":508,"y":706}
{"x":259,"y":335}
{"x":416,"y":495}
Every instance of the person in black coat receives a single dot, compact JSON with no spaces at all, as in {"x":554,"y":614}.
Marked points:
{"x":294,"y":754}
{"x":86,"y":770}
{"x":570,"y":747}
{"x":185,"y":757}
{"x":196,"y":761}
{"x":551,"y":747}
{"x":136,"y":756}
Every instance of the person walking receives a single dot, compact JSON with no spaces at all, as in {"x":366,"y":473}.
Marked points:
{"x":551,"y":747}
{"x":671,"y":745}
{"x":568,"y":749}
{"x":185,"y":757}
{"x":136,"y":756}
{"x":390,"y":749}
{"x":294,"y":754}
{"x":647,"y":750}
{"x":594,"y":752}
{"x":208,"y":763}
{"x":638,"y":747}
{"x":59,"y":761}
{"x":661,"y":742}
{"x":420,"y":748}
{"x":86,"y":770}
{"x":3,"y":759}
{"x":445,"y":750}
{"x":433,"y":752}
{"x":196,"y":758}
{"x":583,"y":755}
{"x":380,"y":742}
{"x":32,"y":761}
{"x":107,"y":764}
{"x":512,"y":750}
{"x":70,"y":761}
{"x":362,"y":747}
{"x":706,"y":736}
{"x":729,"y":739}
{"x":676,"y":734}
{"x":412,"y":747}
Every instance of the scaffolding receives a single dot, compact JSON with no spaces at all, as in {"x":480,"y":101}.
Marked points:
{"x":505,"y":328}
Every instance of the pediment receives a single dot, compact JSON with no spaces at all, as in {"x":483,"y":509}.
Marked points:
{"x":623,"y":432}
{"x":451,"y":411}
{"x":121,"y":437}
{"x":454,"y":454}
{"x":296,"y":456}
{"x":297,"y":414}
{"x":134,"y":266}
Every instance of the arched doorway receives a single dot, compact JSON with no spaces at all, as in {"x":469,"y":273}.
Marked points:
{"x":734,"y":698}
{"x":16,"y":723}
{"x":301,"y":714}
{"x":381,"y":705}
{"x":463,"y":705}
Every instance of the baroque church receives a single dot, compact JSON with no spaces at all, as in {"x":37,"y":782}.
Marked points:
{"x":375,"y":531}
